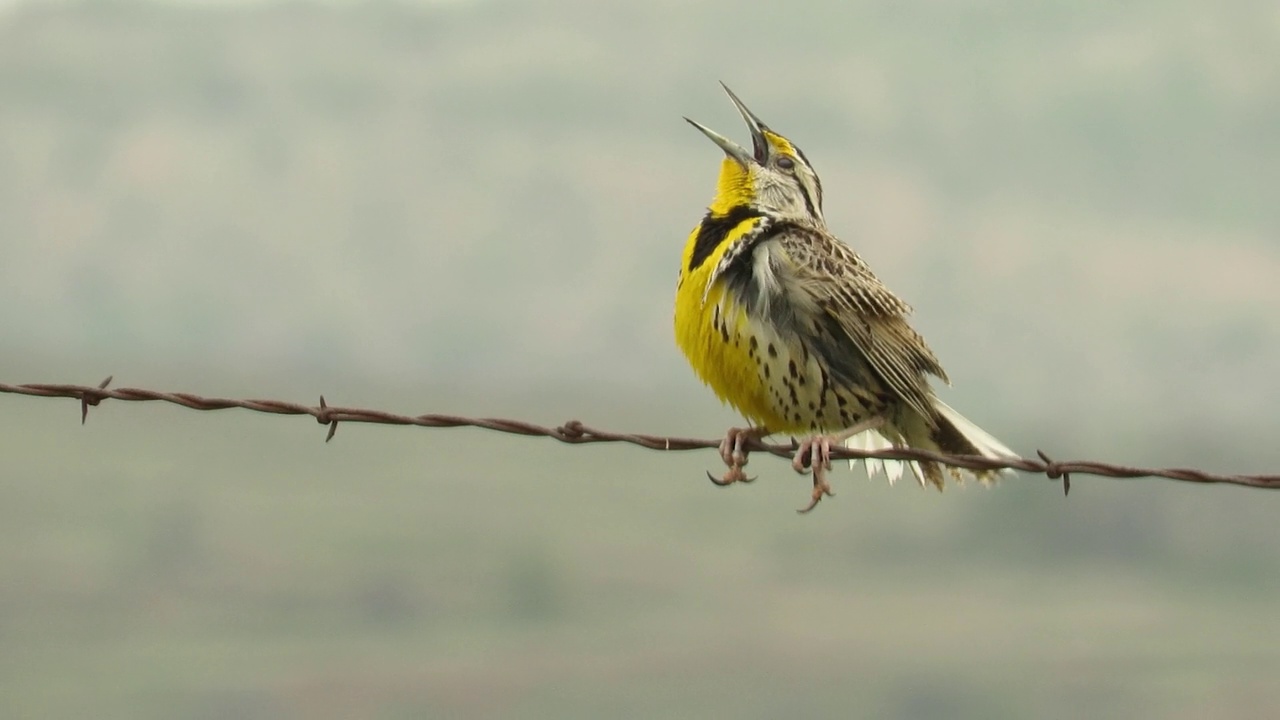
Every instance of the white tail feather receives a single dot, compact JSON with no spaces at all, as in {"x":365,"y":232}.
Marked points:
{"x":890,"y":437}
{"x":987,"y":445}
{"x":872,"y":440}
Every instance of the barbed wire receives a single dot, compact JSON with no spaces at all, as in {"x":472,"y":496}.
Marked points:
{"x":576,"y":433}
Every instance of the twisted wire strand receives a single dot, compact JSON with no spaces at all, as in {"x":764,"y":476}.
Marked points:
{"x":576,"y":433}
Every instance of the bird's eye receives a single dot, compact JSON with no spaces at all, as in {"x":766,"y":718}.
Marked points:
{"x":786,"y":163}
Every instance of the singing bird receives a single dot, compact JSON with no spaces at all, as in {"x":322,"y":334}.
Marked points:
{"x":789,"y":326}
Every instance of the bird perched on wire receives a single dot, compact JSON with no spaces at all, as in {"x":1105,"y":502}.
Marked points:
{"x":789,"y":326}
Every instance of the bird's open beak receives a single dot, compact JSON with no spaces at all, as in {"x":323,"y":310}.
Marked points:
{"x":731,"y":148}
{"x":759,"y":143}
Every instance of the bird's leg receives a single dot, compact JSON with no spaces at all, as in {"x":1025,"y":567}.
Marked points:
{"x":815,"y":453}
{"x":733,"y":450}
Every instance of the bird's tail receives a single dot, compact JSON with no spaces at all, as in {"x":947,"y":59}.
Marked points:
{"x":951,"y":434}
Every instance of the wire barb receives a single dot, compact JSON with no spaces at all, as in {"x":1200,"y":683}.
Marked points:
{"x":324,"y":418}
{"x":576,"y":433}
{"x":89,"y":397}
{"x":1051,"y":469}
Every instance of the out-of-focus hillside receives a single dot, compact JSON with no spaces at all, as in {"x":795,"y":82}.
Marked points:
{"x":1079,"y":202}
{"x":479,"y":208}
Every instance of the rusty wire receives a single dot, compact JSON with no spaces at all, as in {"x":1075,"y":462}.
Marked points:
{"x":574,"y":432}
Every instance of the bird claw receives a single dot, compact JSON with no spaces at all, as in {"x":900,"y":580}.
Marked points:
{"x":726,"y":453}
{"x":733,"y":475}
{"x":820,"y":489}
{"x":814,"y":454}
{"x":733,"y":452}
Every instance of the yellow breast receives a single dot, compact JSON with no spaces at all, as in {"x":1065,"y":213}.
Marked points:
{"x":733,"y":354}
{"x":776,"y":378}
{"x":716,"y":338}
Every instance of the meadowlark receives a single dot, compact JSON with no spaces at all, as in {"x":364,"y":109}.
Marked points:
{"x":789,"y":326}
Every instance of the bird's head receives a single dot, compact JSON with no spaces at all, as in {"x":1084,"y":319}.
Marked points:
{"x":773,"y":176}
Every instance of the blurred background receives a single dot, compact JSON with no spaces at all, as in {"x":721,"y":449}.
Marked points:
{"x":478,"y":207}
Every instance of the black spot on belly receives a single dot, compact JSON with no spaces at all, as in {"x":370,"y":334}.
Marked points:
{"x":773,"y":351}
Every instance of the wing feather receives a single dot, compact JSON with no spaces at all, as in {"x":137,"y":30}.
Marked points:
{"x":875,"y":320}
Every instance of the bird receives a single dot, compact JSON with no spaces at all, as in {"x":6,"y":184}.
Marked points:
{"x":788,"y":325}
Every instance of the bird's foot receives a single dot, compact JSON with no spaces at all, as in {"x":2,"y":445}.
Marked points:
{"x":814,"y":454}
{"x":733,"y":451}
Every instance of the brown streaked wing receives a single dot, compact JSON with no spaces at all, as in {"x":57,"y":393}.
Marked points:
{"x":874,"y":318}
